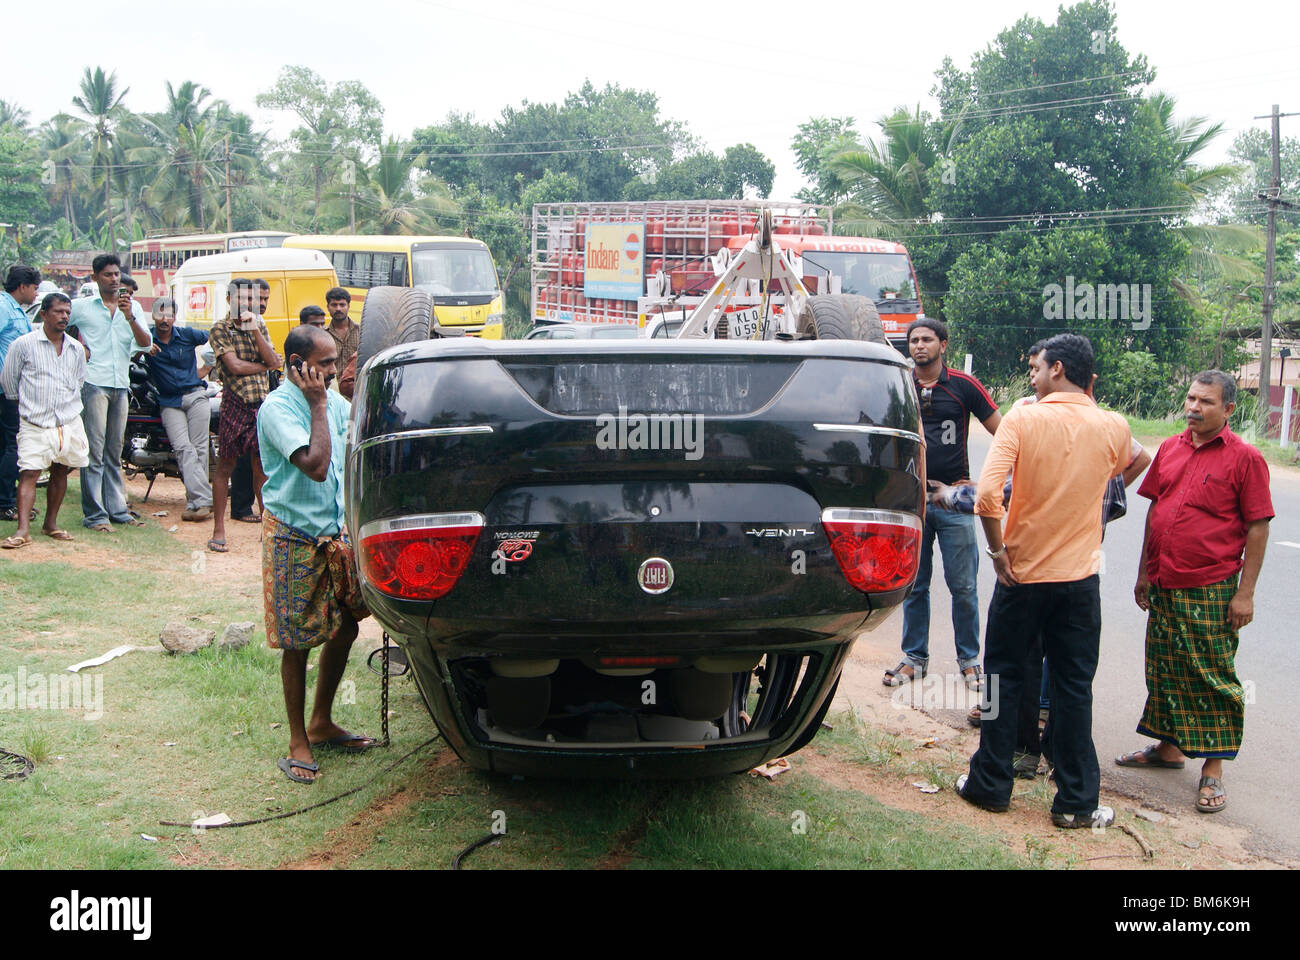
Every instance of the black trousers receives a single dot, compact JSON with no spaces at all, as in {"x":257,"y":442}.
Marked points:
{"x":1067,"y":616}
{"x":8,"y":452}
{"x":241,"y":488}
{"x":1027,"y":738}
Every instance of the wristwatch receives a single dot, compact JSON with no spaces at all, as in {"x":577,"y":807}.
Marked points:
{"x":993,"y":555}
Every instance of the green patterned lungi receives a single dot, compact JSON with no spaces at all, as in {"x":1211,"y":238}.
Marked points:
{"x":1194,"y":699}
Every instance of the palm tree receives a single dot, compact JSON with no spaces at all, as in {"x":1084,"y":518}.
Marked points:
{"x":1214,"y":250}
{"x":396,"y":204}
{"x":63,"y":139}
{"x":101,"y":103}
{"x":185,"y":145}
{"x":12,"y":115}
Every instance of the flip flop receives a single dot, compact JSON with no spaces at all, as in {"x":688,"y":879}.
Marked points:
{"x":1217,"y":791}
{"x":1148,"y":757}
{"x":249,"y":518}
{"x":14,"y":543}
{"x":102,"y":528}
{"x":289,"y":764}
{"x":58,"y":534}
{"x":218,"y":546}
{"x":343,"y":739}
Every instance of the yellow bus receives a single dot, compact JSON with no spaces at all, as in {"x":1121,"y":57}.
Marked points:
{"x":457,"y":271}
{"x":153,"y":262}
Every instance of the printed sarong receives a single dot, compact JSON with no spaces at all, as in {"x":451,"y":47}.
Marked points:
{"x":1194,"y":699}
{"x":236,"y":426}
{"x":307,"y":586}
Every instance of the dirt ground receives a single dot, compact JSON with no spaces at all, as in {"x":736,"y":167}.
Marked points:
{"x":1179,"y":840}
{"x":1182,"y":839}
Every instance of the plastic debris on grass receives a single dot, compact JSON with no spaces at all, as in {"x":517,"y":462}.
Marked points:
{"x":214,"y":820}
{"x":111,"y":655}
{"x":925,"y":786}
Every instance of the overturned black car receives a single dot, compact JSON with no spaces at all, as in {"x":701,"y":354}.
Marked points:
{"x":632,"y":558}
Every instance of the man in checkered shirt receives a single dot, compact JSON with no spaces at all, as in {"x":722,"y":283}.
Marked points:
{"x":242,"y":348}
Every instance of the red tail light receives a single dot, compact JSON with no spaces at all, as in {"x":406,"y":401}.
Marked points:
{"x":418,"y":558}
{"x":877,"y":550}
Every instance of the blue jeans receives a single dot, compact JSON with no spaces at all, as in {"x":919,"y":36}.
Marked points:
{"x":961,"y":563}
{"x":8,"y":452}
{"x":103,"y":493}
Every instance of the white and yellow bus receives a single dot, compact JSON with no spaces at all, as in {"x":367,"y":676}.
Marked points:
{"x":458,"y":273}
{"x":153,"y":262}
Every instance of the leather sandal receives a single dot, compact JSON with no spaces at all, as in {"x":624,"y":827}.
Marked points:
{"x":896,"y":677}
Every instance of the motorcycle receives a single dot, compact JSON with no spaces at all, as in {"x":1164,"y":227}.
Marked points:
{"x":145,"y":447}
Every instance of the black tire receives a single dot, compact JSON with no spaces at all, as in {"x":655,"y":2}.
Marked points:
{"x":842,"y":317}
{"x":393,"y":315}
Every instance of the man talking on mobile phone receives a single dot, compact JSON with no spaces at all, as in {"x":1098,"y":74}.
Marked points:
{"x":311,"y":591}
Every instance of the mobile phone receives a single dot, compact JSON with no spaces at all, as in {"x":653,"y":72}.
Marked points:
{"x":296,"y":363}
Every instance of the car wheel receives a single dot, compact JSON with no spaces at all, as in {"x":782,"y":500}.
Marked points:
{"x":393,"y":315}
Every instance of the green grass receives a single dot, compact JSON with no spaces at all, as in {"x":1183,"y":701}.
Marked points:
{"x":185,"y":736}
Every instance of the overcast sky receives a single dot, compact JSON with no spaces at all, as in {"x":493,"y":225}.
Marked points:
{"x":733,"y":71}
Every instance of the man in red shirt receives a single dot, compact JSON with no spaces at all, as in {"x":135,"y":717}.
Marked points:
{"x":1209,"y":502}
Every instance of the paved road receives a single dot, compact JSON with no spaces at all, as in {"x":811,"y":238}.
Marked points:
{"x":1263,"y":784}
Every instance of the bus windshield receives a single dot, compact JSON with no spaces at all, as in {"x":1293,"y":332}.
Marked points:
{"x":880,"y":276}
{"x":454,"y":271}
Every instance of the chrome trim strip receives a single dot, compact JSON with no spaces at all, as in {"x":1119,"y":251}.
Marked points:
{"x":427,"y":432}
{"x":868,"y":428}
{"x":423,"y":521}
{"x":863,"y":515}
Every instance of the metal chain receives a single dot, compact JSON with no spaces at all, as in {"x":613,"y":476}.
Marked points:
{"x":383,"y":696}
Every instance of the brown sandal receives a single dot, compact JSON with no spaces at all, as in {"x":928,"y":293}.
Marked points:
{"x":14,"y":543}
{"x":58,"y":534}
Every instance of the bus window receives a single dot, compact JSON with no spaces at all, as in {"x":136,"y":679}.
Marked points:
{"x":361,"y":270}
{"x":397,"y":277}
{"x":343,"y":266}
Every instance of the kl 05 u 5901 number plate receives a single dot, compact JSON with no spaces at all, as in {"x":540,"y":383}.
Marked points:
{"x":655,"y":575}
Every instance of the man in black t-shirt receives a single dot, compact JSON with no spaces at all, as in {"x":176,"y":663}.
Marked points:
{"x":948,"y":399}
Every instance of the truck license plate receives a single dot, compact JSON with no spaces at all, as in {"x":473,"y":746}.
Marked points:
{"x":742,"y":324}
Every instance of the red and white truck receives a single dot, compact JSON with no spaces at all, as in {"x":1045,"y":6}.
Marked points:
{"x":626,"y":263}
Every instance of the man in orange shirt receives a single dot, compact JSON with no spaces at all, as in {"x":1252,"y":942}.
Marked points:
{"x":1062,"y":450}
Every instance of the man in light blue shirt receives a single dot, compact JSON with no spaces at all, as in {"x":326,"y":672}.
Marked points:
{"x":110,"y":337}
{"x":19,"y":291}
{"x":312,"y":596}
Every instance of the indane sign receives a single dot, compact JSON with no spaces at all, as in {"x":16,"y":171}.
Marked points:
{"x":613,"y":262}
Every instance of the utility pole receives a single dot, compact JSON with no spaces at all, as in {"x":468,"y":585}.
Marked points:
{"x":1273,"y":198}
{"x":228,"y":227}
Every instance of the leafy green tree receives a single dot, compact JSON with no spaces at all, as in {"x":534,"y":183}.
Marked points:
{"x":745,"y":168}
{"x":815,"y":142}
{"x":22,"y":202}
{"x":603,"y":138}
{"x":1061,"y":168}
{"x":63,"y":142}
{"x":336,"y":122}
{"x":453,"y":150}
